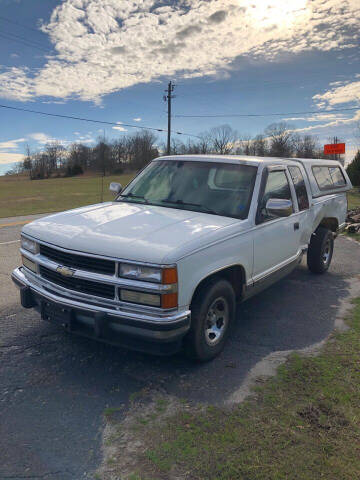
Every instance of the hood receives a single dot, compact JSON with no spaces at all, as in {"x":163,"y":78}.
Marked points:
{"x":128,"y":231}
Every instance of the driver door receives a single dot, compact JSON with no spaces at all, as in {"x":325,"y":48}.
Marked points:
{"x":276,"y":239}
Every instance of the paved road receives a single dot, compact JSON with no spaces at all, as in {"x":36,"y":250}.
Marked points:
{"x":54,"y":387}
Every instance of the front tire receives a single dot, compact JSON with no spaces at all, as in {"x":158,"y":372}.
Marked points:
{"x":320,"y":250}
{"x":212,"y":313}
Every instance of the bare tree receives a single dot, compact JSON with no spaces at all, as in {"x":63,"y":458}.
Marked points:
{"x":204,"y":142}
{"x":223,"y":139}
{"x":305,"y":147}
{"x":27,"y":163}
{"x":143,"y":149}
{"x":280,"y":138}
{"x":54,"y":151}
{"x":260,"y":146}
{"x":245,"y":145}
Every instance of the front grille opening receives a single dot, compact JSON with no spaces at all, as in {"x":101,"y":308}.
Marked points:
{"x":90,"y":264}
{"x":79,"y":285}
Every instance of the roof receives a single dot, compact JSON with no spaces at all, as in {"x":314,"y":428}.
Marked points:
{"x":248,"y":160}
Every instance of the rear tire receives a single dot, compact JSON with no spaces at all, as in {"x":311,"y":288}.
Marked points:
{"x":212,"y":313}
{"x":320,"y":250}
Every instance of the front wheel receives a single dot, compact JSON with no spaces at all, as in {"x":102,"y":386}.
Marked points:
{"x":320,"y":250}
{"x":212,"y":313}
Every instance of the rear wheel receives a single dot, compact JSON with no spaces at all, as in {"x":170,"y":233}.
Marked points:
{"x":212,"y":313}
{"x":320,"y":250}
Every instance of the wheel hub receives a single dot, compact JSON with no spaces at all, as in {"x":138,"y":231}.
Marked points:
{"x":216,"y":322}
{"x":327,"y":252}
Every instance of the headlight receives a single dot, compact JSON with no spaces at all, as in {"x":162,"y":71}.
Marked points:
{"x":167,"y":298}
{"x":29,"y":245}
{"x":139,"y":272}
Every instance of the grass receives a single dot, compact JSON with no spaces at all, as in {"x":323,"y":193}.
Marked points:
{"x":353,"y":199}
{"x":21,"y":196}
{"x":353,"y":202}
{"x":303,"y":424}
{"x":111,"y":411}
{"x":354,"y":236}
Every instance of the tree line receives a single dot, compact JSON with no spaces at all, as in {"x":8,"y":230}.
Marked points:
{"x":130,"y":153}
{"x":127,"y":153}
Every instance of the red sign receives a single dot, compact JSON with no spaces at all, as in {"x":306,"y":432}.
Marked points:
{"x":334,"y":149}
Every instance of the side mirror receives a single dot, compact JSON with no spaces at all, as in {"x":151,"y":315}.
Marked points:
{"x":115,"y":188}
{"x":279,"y":207}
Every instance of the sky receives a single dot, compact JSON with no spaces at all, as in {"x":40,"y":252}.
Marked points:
{"x":111,"y":60}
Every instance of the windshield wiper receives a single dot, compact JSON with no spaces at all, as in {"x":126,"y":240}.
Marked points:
{"x":131,"y":195}
{"x":180,"y":202}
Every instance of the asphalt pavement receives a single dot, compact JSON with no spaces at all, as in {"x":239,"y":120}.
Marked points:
{"x":54,"y":387}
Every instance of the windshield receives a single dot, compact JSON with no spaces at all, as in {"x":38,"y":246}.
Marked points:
{"x":216,"y":188}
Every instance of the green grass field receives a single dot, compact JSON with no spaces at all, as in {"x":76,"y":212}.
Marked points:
{"x":21,"y":196}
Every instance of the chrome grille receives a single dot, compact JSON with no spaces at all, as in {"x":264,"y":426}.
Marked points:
{"x":78,"y":284}
{"x":81,"y":262}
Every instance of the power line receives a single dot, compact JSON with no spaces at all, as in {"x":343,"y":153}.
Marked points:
{"x":5,"y":19}
{"x":224,"y":115}
{"x":94,"y":121}
{"x":22,"y":41}
{"x":33,"y":43}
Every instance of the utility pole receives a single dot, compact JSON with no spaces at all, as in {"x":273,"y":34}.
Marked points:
{"x":336,"y":155}
{"x":167,"y":98}
{"x":102,"y":152}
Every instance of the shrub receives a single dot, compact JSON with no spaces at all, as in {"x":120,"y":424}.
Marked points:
{"x":353,"y":170}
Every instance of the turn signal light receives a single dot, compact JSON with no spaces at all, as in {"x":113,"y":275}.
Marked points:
{"x":169,"y":275}
{"x":169,"y":300}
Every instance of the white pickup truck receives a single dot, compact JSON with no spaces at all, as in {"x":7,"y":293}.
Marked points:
{"x":163,"y":266}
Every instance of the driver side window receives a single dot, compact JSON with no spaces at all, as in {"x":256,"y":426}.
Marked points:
{"x":277,"y":186}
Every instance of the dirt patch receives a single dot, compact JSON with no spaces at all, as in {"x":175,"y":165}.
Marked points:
{"x":125,"y":442}
{"x":322,"y":416}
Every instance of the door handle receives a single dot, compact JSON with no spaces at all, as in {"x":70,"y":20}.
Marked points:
{"x":296,"y":226}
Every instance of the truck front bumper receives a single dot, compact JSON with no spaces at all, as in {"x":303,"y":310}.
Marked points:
{"x":160,"y":335}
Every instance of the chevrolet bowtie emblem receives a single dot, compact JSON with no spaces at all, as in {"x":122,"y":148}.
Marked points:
{"x":65,"y":271}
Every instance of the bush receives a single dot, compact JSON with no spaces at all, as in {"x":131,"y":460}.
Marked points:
{"x":353,"y":170}
{"x":73,"y":170}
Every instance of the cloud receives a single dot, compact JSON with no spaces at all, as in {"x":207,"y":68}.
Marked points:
{"x":137,"y":119}
{"x":15,"y":84}
{"x":102,"y":47}
{"x":342,"y":93}
{"x":11,"y":144}
{"x":317,"y":117}
{"x":41,"y":138}
{"x":348,"y":92}
{"x":118,"y":50}
{"x":340,"y":121}
{"x":6,"y":157}
{"x":83,"y":139}
{"x":120,"y":129}
{"x":218,"y":16}
{"x":188,"y":32}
